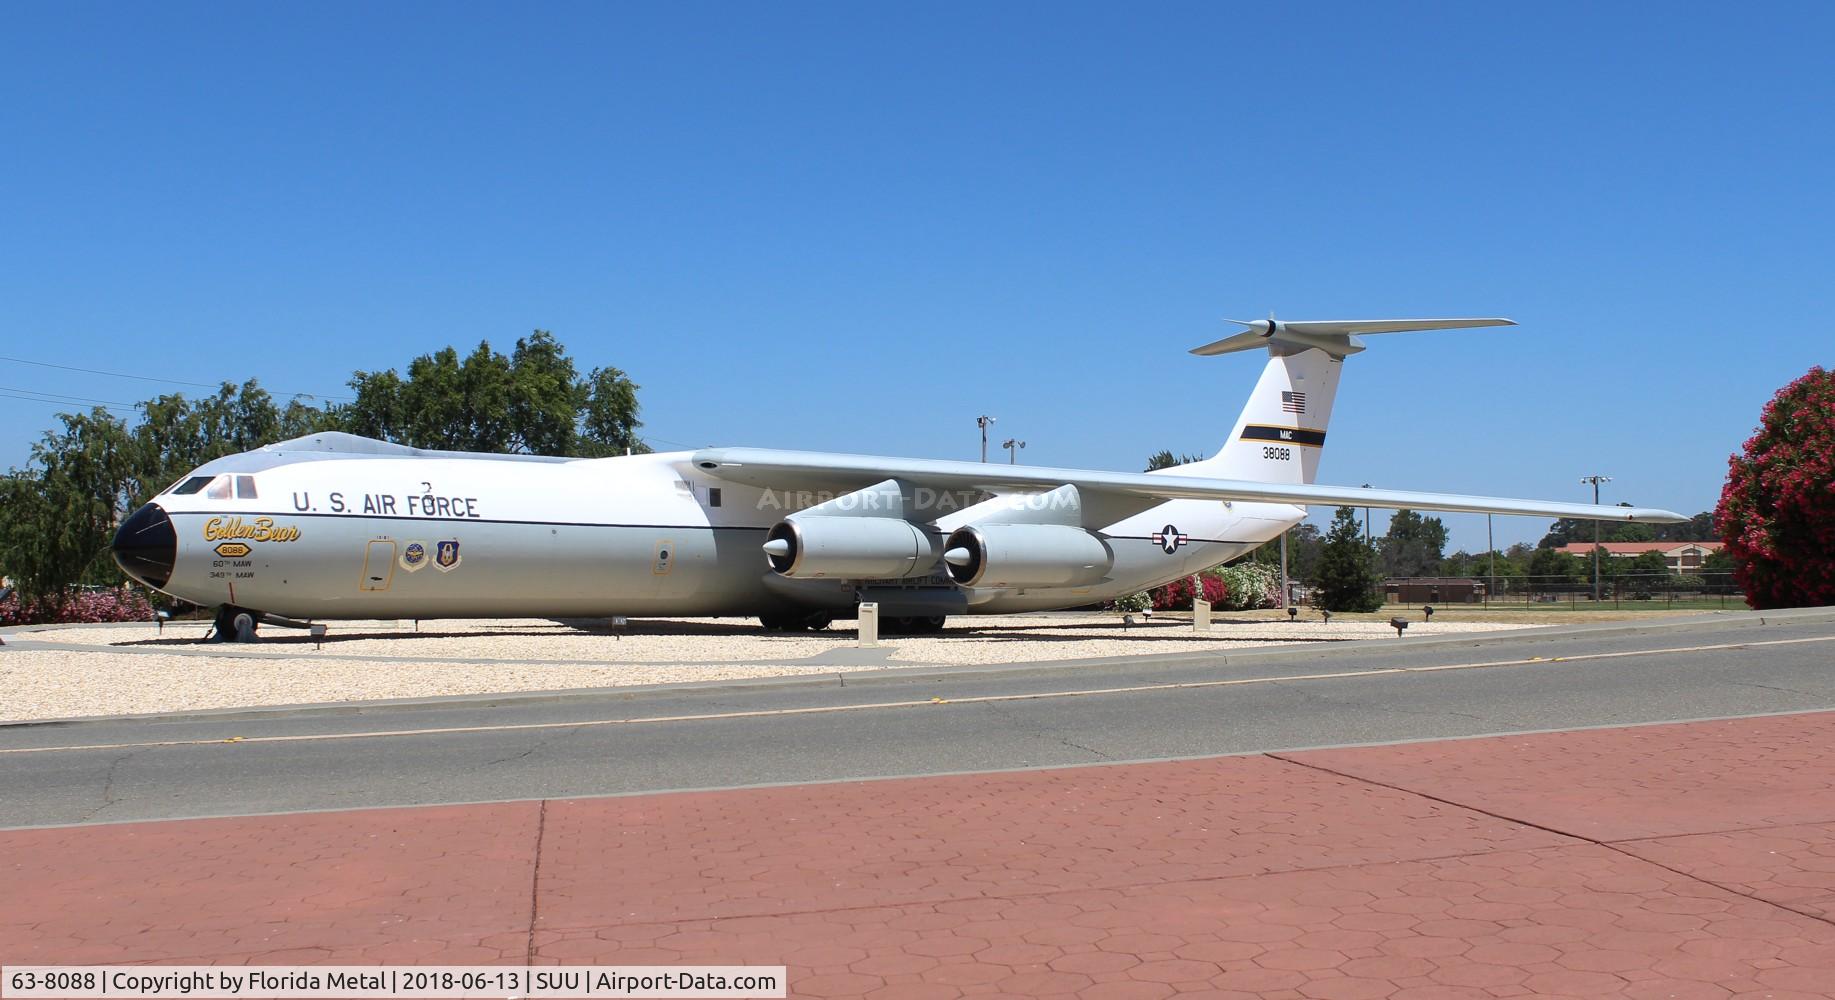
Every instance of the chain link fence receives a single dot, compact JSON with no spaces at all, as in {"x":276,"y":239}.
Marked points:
{"x":1624,"y":591}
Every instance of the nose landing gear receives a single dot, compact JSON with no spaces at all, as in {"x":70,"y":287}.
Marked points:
{"x":236,"y":624}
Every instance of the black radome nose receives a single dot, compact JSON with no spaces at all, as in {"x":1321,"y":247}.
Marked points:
{"x":146,"y":546}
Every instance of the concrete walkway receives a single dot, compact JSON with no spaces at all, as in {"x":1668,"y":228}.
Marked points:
{"x":1689,"y":860}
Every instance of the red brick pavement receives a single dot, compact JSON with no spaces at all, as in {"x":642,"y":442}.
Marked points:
{"x":1692,"y":860}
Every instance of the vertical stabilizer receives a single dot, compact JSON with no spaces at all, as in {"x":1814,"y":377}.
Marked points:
{"x":1281,"y":433}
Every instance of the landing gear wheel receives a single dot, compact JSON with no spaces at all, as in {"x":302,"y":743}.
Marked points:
{"x":916,"y":624}
{"x":796,"y":623}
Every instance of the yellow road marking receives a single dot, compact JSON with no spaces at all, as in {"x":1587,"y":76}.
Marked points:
{"x":926,"y":703}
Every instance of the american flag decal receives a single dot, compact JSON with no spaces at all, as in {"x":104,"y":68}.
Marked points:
{"x":1293,"y":402}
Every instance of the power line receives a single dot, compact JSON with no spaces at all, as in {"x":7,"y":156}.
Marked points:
{"x":149,"y":378}
{"x":60,"y":397}
{"x":49,"y":402}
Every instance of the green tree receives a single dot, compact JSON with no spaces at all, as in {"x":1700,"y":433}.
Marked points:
{"x":531,"y":402}
{"x":1699,"y":528}
{"x":1413,"y":545}
{"x":1718,"y":569}
{"x":59,"y":515}
{"x":1346,"y":579}
{"x":1569,"y":530}
{"x":608,"y":425}
{"x":546,"y":397}
{"x":300,"y":419}
{"x":1643,"y":564}
{"x":1165,"y":460}
{"x":1303,"y":544}
{"x":378,"y":411}
{"x":436,"y":410}
{"x":1553,"y":567}
{"x":1305,"y":547}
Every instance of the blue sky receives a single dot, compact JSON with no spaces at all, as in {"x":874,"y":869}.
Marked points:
{"x":856,"y":227}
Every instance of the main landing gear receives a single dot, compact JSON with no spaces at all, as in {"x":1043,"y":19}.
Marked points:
{"x":236,"y":624}
{"x":796,"y":622}
{"x":898,"y":625}
{"x":915,"y":624}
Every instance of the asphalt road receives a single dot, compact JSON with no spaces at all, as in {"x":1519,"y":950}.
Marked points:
{"x":865,"y":726}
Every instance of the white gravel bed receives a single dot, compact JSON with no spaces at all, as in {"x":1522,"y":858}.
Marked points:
{"x":173,"y":672}
{"x":993,"y":639}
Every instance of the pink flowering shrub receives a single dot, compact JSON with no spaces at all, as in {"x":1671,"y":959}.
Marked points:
{"x":112,"y":605}
{"x":1176,"y":596}
{"x":1777,"y":511}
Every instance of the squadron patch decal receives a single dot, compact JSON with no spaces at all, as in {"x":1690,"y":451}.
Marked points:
{"x":414,"y":556}
{"x":446,"y":555}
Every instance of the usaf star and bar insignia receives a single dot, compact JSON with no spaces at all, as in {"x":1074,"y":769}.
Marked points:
{"x":1169,"y":539}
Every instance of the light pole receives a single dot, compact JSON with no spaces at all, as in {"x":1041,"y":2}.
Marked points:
{"x":1595,"y":480}
{"x":1366,"y":522}
{"x":983,"y":422}
{"x":1013,"y":445}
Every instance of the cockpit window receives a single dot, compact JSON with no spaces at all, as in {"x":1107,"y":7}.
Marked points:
{"x":192,"y":485}
{"x":219,"y":490}
{"x":245,"y":488}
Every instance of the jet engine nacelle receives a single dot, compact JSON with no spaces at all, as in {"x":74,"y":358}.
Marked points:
{"x":863,"y":548}
{"x":1025,"y":555}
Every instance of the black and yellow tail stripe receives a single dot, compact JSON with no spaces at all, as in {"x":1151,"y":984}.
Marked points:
{"x":1284,"y":435}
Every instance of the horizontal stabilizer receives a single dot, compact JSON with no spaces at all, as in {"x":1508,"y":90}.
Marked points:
{"x":1337,"y":337}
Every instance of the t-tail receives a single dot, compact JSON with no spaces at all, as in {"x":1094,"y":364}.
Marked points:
{"x":1281,"y":433}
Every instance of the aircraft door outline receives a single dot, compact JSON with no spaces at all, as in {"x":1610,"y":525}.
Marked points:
{"x":377,"y":575}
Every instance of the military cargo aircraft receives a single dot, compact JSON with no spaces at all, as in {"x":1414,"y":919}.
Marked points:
{"x":335,"y":526}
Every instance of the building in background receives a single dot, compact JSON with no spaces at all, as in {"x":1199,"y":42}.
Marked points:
{"x":1683,"y":557}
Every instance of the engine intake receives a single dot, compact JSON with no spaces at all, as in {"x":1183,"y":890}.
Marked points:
{"x":853,"y":548}
{"x":1025,"y":555}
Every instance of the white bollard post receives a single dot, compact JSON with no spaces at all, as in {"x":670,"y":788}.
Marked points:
{"x":869,"y":625}
{"x":1200,"y":615}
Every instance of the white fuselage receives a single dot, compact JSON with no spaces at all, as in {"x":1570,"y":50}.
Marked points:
{"x":385,"y":537}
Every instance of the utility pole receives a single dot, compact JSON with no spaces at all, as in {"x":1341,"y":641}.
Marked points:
{"x":1491,"y":547}
{"x":983,"y":422}
{"x":1595,"y":480}
{"x":1013,"y":445}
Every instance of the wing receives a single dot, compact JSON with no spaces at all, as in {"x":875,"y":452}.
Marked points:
{"x":771,"y":469}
